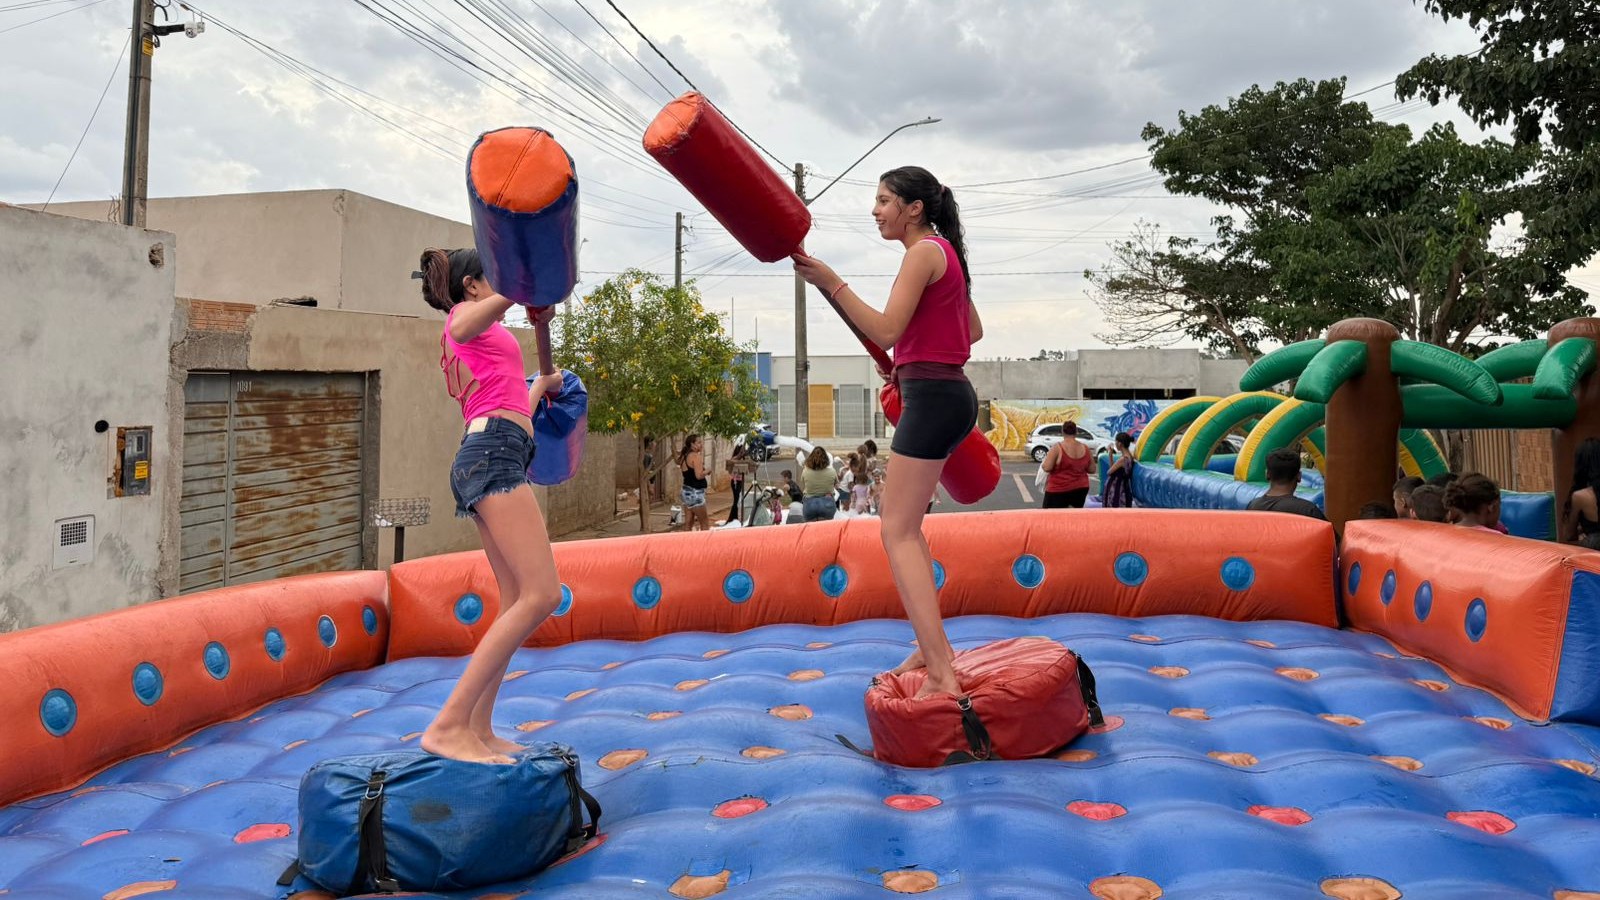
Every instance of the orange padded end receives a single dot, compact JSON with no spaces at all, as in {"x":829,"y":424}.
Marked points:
{"x":673,"y":123}
{"x":520,"y":169}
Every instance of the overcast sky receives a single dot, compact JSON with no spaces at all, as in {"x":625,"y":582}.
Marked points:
{"x":1025,"y":88}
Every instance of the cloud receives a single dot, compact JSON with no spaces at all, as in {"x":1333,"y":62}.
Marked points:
{"x":1026,"y":87}
{"x":1052,"y":75}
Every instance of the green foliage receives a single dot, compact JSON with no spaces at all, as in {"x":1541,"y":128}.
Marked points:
{"x":1333,"y":215}
{"x":656,"y":362}
{"x":1537,"y":70}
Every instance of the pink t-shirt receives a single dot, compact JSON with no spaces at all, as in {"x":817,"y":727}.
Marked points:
{"x":485,"y":373}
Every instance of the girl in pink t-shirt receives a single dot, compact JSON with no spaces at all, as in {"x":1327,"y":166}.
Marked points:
{"x":484,"y":373}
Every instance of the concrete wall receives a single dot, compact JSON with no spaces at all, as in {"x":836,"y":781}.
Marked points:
{"x":92,"y":319}
{"x":419,"y":425}
{"x":1220,"y":377}
{"x":1138,"y":369}
{"x":1017,"y":379}
{"x":1024,"y":379}
{"x":346,"y":250}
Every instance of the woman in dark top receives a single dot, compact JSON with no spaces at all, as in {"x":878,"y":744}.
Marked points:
{"x":1581,"y":523}
{"x":1118,"y":490}
{"x":692,"y":459}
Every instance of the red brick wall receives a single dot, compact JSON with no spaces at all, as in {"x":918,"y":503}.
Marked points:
{"x":212,"y":315}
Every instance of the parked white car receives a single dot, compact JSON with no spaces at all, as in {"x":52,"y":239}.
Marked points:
{"x":1046,"y":436}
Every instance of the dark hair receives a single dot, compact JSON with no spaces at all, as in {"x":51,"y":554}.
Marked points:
{"x":787,"y":473}
{"x":443,"y":273}
{"x":688,"y":446}
{"x":1443,"y":479}
{"x":872,"y":446}
{"x":740,"y":451}
{"x":1471,"y":494}
{"x":1586,"y":465}
{"x":1427,"y":503}
{"x":1069,"y":428}
{"x":1124,"y":440}
{"x":1376,"y":511}
{"x":939,"y":208}
{"x":1283,"y":465}
{"x":818,"y":459}
{"x":1408,"y":484}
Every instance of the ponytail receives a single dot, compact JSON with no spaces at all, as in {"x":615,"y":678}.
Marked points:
{"x":947,"y":221}
{"x":444,"y":275}
{"x":939,"y":208}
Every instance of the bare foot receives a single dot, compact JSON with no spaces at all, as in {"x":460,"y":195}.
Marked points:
{"x":497,"y":744}
{"x":914,"y":661}
{"x":933,"y":688}
{"x":461,"y":744}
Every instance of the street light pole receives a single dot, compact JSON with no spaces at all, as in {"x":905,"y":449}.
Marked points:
{"x":802,"y":361}
{"x":802,"y":364}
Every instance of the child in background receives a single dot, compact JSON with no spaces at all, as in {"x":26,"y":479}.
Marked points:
{"x":860,"y":484}
{"x":875,"y":495}
{"x":846,"y":481}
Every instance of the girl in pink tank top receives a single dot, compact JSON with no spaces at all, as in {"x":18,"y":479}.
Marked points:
{"x":483,"y":371}
{"x":931,"y":323}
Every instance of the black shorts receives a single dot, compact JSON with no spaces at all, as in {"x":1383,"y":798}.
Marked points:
{"x":1073,"y":499}
{"x":935,"y":417}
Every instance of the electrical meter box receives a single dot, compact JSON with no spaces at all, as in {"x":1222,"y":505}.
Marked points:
{"x":130,"y":475}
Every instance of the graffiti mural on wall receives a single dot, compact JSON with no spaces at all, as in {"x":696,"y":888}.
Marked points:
{"x":1013,"y":420}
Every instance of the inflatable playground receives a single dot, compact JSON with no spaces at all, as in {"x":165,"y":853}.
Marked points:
{"x":1288,"y":707}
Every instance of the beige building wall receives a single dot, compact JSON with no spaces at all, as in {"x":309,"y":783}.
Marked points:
{"x":89,"y":307}
{"x":345,"y":250}
{"x":419,"y":425}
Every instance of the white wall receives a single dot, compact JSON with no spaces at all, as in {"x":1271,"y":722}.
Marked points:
{"x":92,"y":322}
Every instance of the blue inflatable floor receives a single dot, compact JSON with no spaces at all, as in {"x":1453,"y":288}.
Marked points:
{"x":1261,"y":760}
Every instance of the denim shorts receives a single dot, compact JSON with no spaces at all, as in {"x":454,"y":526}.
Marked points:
{"x":492,"y":461}
{"x":692,"y":497}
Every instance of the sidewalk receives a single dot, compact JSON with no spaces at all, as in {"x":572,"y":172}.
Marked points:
{"x":626,"y":524}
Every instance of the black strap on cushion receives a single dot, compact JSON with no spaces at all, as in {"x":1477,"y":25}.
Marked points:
{"x":979,"y":745}
{"x":578,"y":801}
{"x":851,"y":745}
{"x":1090,"y":700}
{"x":289,"y":874}
{"x":372,"y":857}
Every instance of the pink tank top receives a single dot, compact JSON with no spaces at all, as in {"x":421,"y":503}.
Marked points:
{"x":940,"y":328}
{"x":485,"y":373}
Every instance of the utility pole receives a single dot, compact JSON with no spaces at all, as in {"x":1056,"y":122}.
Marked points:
{"x":136,"y":148}
{"x":802,"y":363}
{"x":136,"y":145}
{"x":677,"y":253}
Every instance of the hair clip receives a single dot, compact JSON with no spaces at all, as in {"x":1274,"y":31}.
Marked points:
{"x":416,"y":276}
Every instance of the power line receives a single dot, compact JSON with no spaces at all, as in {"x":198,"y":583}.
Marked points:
{"x":115,"y":68}
{"x":619,"y":43}
{"x":652,"y":45}
{"x":49,"y":17}
{"x":704,"y":273}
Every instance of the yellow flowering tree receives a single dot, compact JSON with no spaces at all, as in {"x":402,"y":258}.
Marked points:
{"x":656,"y":363}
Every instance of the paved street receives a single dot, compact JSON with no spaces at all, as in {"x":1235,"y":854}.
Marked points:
{"x":1016,"y":490}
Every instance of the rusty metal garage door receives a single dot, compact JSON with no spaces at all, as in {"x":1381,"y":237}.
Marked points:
{"x":272,"y":476}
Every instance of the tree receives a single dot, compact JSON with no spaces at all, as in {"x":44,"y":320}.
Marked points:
{"x":1155,"y":293}
{"x":1417,"y":218}
{"x":1537,"y":70}
{"x":1331,"y":215}
{"x":656,"y":363}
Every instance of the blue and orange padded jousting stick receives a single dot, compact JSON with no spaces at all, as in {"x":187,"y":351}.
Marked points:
{"x":524,"y":196}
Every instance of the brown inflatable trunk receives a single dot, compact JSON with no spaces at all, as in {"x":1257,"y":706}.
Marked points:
{"x":1586,"y":424}
{"x":1363,"y":427}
